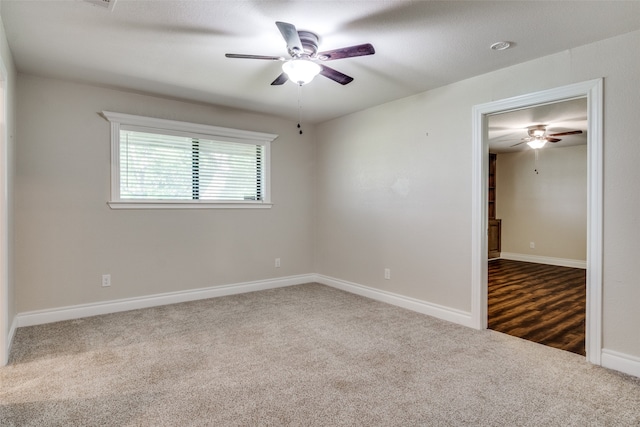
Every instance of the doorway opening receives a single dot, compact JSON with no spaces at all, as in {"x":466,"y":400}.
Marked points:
{"x":592,"y":91}
{"x":537,"y":212}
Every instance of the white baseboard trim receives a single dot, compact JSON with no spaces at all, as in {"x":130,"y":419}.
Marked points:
{"x":610,"y":359}
{"x":621,"y":362}
{"x":562,"y":262}
{"x":12,"y":332}
{"x":435,"y":310}
{"x":39,"y":317}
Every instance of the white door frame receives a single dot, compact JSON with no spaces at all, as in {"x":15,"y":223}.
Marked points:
{"x":593,"y":91}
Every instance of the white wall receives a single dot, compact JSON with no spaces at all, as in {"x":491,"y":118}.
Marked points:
{"x":549,"y":207}
{"x":67,"y":236}
{"x":389,"y":195}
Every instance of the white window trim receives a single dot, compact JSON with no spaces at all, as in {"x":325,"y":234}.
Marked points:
{"x":172,"y":126}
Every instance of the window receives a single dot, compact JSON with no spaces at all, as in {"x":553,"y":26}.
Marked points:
{"x":169,"y":164}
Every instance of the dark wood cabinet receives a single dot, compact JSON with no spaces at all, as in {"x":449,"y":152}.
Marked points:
{"x":492,"y":185}
{"x":494,"y":237}
{"x":495,"y":225}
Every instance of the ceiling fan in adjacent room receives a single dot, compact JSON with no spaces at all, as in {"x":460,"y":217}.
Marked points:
{"x":303,"y":65}
{"x":538,"y":136}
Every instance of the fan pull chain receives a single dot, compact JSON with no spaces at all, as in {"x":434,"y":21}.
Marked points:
{"x":300,"y":108}
{"x":535,"y":164}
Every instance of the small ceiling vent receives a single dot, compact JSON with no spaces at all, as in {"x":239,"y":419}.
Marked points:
{"x":107,"y":4}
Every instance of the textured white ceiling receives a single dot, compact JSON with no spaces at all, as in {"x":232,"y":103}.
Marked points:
{"x":176,"y":48}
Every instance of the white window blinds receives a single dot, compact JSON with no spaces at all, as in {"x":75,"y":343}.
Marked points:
{"x":164,"y":167}
{"x":167,"y":164}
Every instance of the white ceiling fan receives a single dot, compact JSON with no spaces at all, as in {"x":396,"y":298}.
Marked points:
{"x":538,"y":136}
{"x":303,"y":65}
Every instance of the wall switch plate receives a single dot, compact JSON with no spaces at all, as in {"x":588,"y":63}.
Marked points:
{"x":387,"y":273}
{"x":277,"y":262}
{"x":532,"y":245}
{"x":106,"y":280}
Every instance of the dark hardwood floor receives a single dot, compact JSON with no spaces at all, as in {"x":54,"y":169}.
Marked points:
{"x":538,"y":302}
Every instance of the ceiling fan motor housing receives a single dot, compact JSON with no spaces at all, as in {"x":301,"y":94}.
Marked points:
{"x":309,"y":42}
{"x":537,"y":131}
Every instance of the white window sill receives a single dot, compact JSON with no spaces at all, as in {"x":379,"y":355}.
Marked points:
{"x":138,"y":204}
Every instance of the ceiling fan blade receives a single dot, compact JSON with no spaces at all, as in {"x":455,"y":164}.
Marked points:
{"x":573,"y":132}
{"x":241,"y":56}
{"x":290,"y":35}
{"x":347,"y":52}
{"x":280,"y":80}
{"x":553,"y":139}
{"x":335,"y":75}
{"x":515,"y":145}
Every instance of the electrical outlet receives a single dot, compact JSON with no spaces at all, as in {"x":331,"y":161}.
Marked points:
{"x":106,"y":280}
{"x":532,"y":245}
{"x":387,"y":273}
{"x":277,"y":262}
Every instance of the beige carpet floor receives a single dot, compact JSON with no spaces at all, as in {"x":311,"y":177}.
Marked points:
{"x":306,"y":355}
